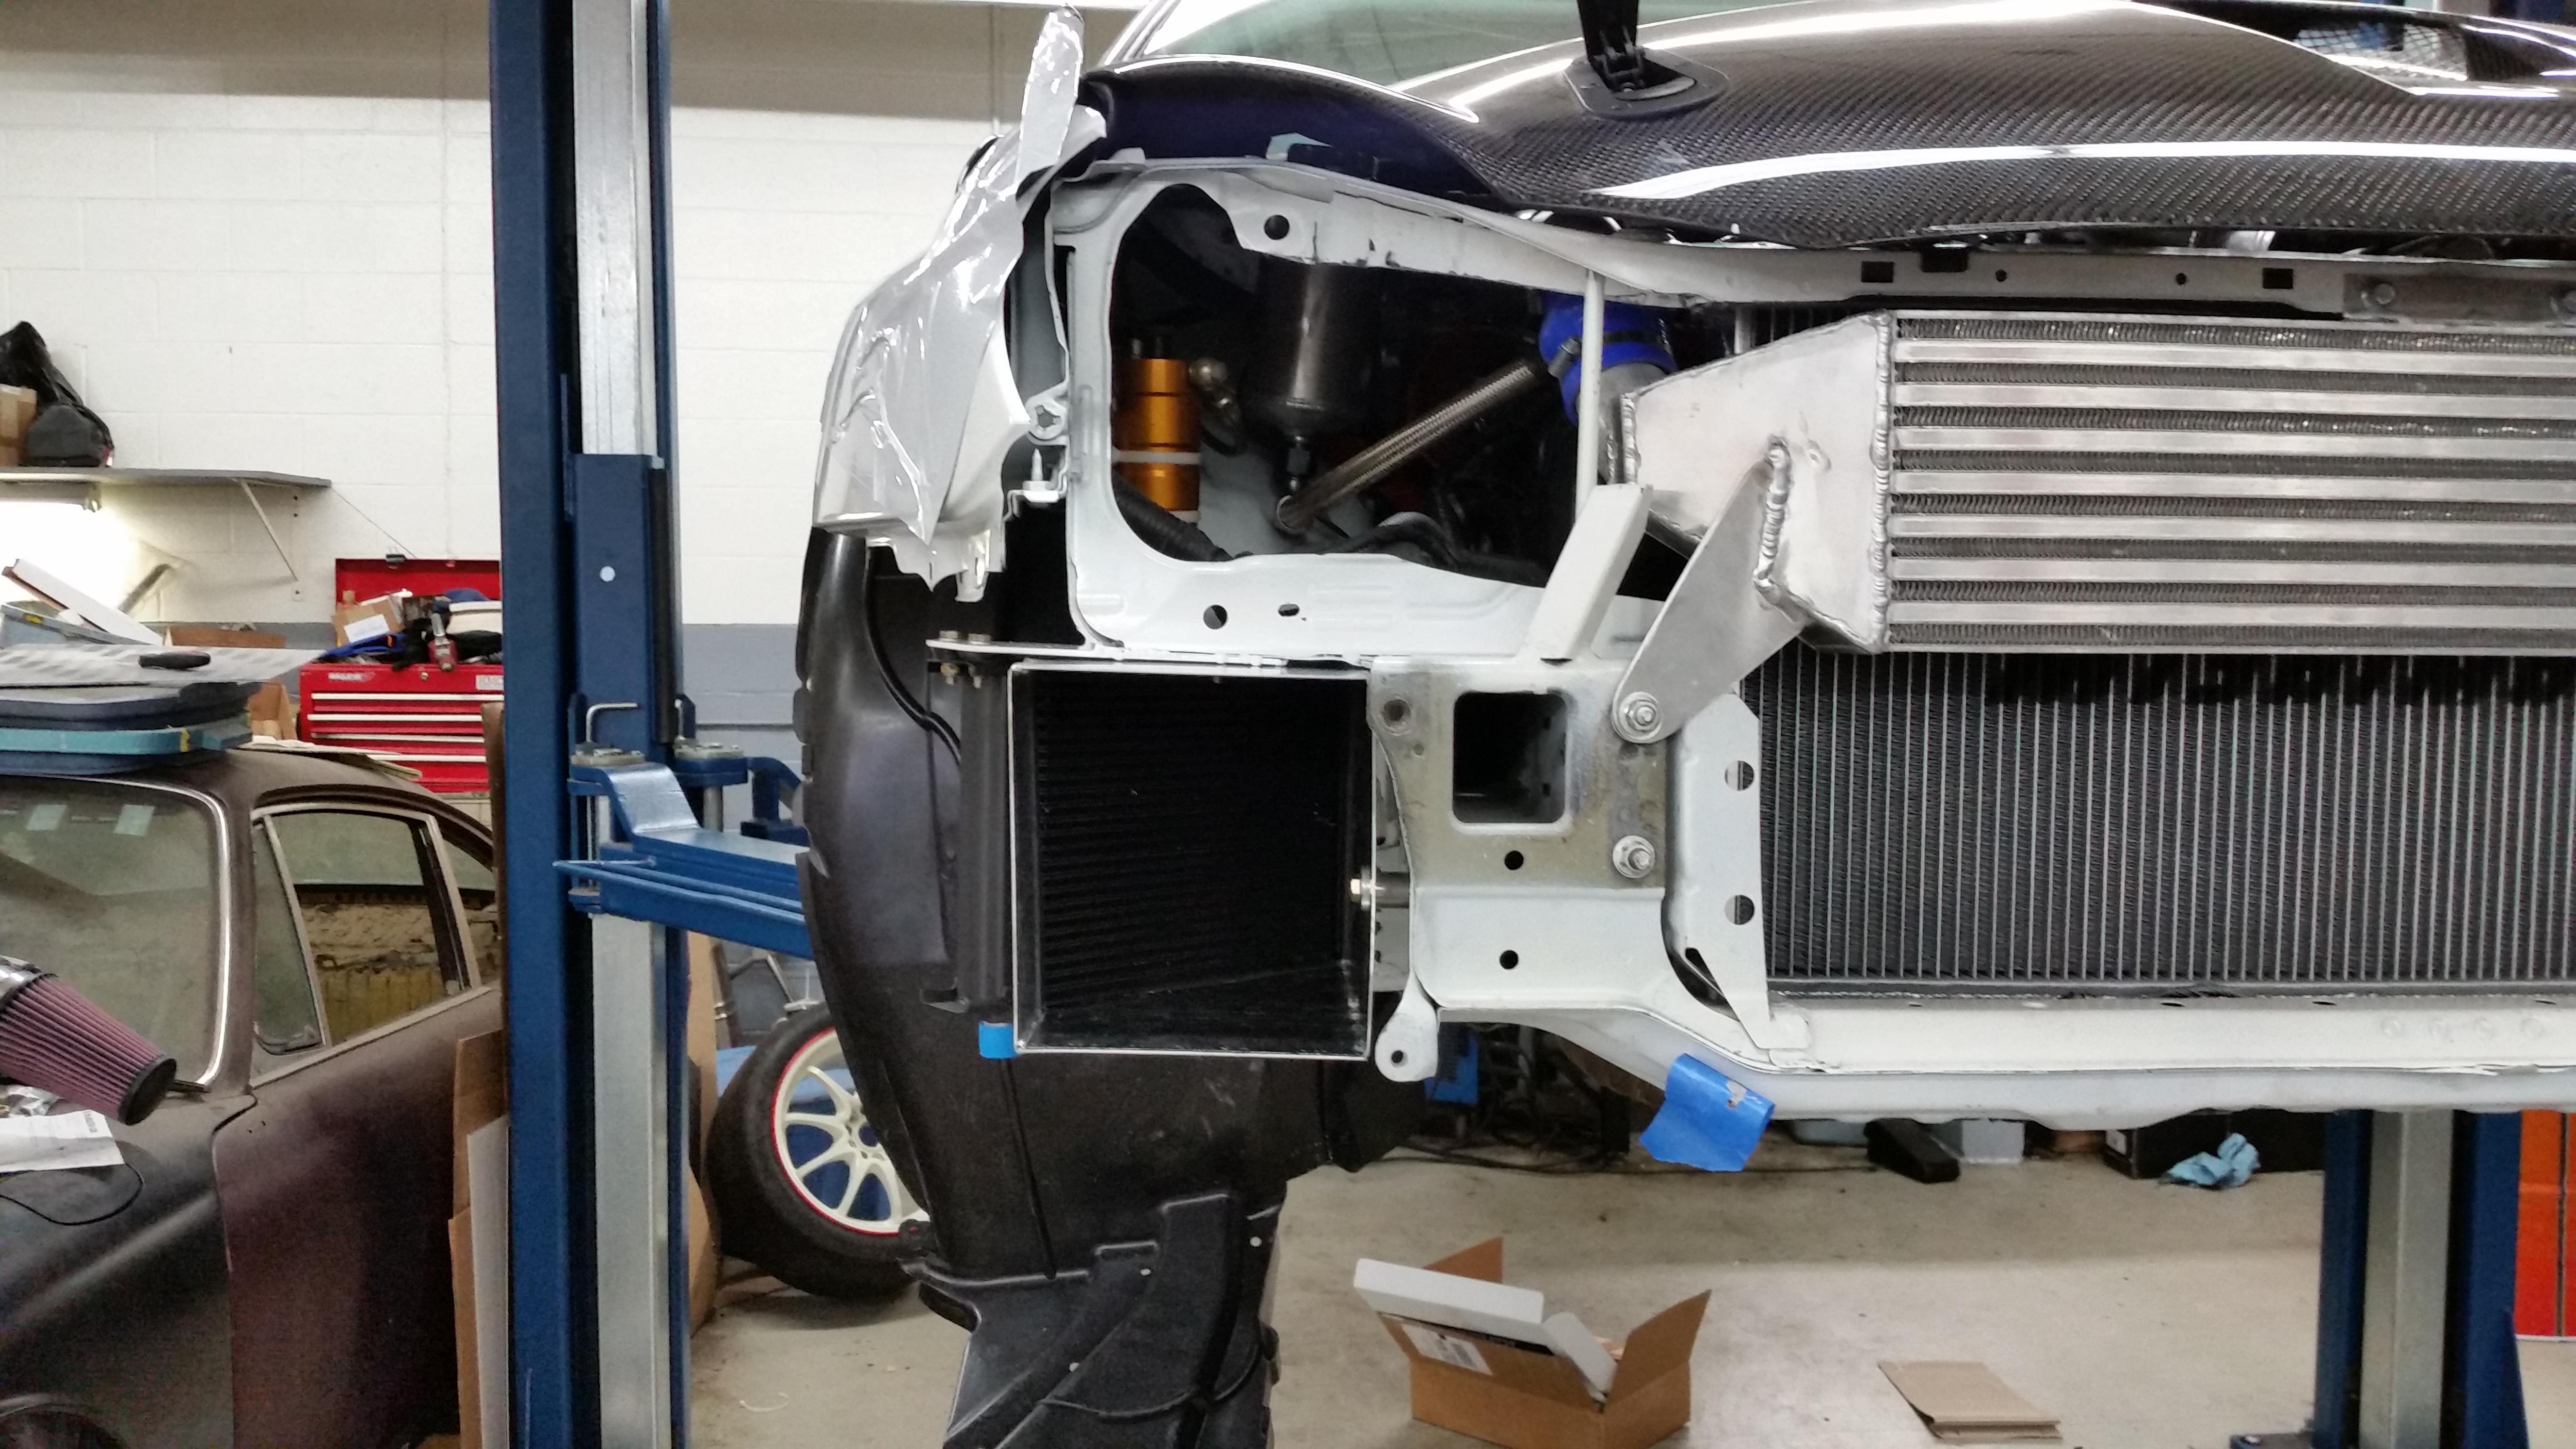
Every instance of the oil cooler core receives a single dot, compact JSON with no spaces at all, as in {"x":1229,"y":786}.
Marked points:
{"x":1184,"y":845}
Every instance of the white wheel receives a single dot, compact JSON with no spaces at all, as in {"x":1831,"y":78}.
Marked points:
{"x":835,"y":1160}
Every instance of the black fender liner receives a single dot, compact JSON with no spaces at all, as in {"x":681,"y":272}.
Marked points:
{"x":1048,"y":1179}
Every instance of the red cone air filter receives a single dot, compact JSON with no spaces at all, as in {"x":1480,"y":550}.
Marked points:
{"x":52,"y":1038}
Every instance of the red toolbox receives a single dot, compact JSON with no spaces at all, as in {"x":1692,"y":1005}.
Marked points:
{"x":428,"y":718}
{"x":2544,"y":1289}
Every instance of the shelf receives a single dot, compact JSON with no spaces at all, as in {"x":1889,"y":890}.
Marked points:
{"x":155,"y":477}
{"x":246,"y":483}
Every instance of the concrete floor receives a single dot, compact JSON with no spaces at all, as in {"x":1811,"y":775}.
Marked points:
{"x":2149,"y":1317}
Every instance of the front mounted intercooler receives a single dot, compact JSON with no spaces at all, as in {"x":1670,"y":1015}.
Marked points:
{"x":2161,"y":653}
{"x":2023,"y":481}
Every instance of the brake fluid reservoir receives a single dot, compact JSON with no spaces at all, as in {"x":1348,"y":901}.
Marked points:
{"x":1154,"y":435}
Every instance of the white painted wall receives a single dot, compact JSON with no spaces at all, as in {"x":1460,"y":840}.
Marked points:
{"x":257,"y":234}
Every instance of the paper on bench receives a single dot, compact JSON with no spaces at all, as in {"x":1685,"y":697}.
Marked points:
{"x":67,"y":1140}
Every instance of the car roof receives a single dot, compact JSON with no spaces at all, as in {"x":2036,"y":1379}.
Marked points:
{"x":244,"y":780}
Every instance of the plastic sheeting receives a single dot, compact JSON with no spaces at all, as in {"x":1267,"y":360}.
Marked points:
{"x":922,"y":404}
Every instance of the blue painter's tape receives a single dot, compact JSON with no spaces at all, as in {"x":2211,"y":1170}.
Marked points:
{"x":1456,"y":1082}
{"x":993,"y":1040}
{"x":1708,"y":1121}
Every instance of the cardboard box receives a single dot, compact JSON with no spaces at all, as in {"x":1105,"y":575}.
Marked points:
{"x":1964,"y":1403}
{"x":17,"y":410}
{"x":706,"y":1264}
{"x":478,"y":1239}
{"x":272,"y":713}
{"x":1522,"y":1396}
{"x":220,"y":636}
{"x":361,"y":619}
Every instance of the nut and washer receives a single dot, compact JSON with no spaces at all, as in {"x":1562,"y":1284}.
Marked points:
{"x":1633,"y":856}
{"x":1638,"y":716}
{"x":2379,"y":294}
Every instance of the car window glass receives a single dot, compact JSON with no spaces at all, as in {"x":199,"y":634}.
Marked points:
{"x":113,"y":888}
{"x":284,"y":1020}
{"x":469,"y":865}
{"x":369,"y":915}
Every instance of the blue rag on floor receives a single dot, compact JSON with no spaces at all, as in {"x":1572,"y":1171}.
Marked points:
{"x":1707,"y":1121}
{"x":2229,"y":1166}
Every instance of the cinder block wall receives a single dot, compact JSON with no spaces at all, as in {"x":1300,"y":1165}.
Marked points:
{"x":257,"y":233}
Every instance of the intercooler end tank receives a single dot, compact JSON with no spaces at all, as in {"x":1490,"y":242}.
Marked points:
{"x":1155,"y":433}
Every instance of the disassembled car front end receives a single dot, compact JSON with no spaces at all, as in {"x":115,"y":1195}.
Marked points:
{"x":1810,"y":548}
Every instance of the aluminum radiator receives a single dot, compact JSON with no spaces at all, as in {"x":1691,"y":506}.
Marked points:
{"x":2029,"y":481}
{"x":2166,"y":822}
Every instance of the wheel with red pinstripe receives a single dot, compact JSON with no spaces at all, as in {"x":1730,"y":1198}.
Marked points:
{"x":804,"y":1185}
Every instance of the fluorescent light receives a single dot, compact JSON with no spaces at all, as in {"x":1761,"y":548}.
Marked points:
{"x":90,"y":550}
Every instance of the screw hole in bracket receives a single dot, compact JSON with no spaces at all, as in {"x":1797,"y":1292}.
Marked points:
{"x":1214,"y":618}
{"x":1512,"y":860}
{"x":1739,"y":909}
{"x":1740,"y":775}
{"x":1510,"y":959}
{"x":1275,"y":227}
{"x":1396,"y":713}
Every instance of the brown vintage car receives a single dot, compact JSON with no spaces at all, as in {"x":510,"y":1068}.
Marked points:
{"x":309,"y":938}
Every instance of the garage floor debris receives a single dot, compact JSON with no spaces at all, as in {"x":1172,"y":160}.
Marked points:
{"x":2150,"y":1317}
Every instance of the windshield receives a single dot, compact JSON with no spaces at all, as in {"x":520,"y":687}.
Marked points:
{"x":112,"y":888}
{"x":1381,"y":40}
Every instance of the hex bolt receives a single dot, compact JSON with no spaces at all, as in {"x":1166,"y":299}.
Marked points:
{"x":2567,"y":303}
{"x":1638,"y":716}
{"x":1633,"y":856}
{"x":2380,"y":294}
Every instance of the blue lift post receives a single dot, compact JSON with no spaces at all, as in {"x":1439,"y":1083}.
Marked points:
{"x":584,"y":434}
{"x":2415,"y":1340}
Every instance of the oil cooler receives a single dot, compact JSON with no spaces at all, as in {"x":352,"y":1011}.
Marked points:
{"x":1183,"y":847}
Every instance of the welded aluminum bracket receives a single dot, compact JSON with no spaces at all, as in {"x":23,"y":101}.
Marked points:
{"x":1713,"y":910}
{"x":1717,"y":626}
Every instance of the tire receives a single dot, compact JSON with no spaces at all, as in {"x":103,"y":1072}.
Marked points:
{"x":803,"y":1186}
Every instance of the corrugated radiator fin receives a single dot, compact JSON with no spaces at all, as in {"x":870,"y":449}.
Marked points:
{"x":2078,"y":482}
{"x":2167,"y":822}
{"x":1185,"y":850}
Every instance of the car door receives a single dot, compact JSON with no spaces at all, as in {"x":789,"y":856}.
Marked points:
{"x":336,"y":1185}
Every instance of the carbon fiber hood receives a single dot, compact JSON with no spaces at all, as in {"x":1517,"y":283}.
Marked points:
{"x":1835,"y":123}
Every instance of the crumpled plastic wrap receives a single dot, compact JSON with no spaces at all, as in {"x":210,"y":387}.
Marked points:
{"x":921,"y":395}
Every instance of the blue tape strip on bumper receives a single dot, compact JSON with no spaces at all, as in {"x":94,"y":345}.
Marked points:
{"x":1708,"y":1121}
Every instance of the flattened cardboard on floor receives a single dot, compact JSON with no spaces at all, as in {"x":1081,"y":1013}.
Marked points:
{"x":1964,"y":1403}
{"x":1524,"y":1397}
